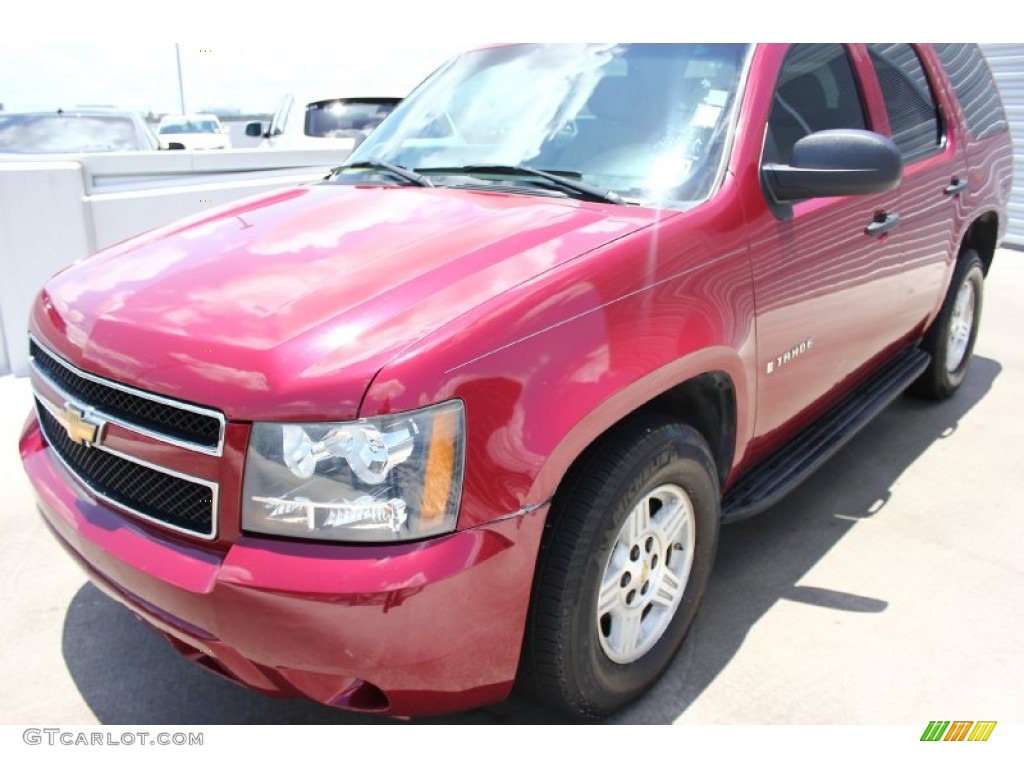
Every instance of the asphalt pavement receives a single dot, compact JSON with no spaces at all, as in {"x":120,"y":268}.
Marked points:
{"x":886,"y":590}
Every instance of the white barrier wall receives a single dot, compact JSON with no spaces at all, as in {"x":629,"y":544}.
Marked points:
{"x":43,"y":226}
{"x":55,"y":211}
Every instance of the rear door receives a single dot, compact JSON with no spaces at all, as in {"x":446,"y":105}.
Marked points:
{"x":931,"y":197}
{"x":986,"y":139}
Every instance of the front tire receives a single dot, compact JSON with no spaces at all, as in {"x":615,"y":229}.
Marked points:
{"x":950,"y":341}
{"x":623,"y":567}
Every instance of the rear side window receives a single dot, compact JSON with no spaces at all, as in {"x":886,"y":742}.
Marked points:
{"x":913,"y":110}
{"x":816,"y":91}
{"x":975,"y":88}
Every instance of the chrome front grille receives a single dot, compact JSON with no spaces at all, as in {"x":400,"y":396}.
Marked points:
{"x":177,"y":422}
{"x":186,"y":505}
{"x":156,"y":493}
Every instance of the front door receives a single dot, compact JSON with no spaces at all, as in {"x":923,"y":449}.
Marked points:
{"x":825,"y":273}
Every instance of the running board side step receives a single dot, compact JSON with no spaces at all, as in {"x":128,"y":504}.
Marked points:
{"x":775,"y":476}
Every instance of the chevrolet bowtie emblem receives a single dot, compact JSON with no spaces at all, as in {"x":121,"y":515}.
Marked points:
{"x":80,"y":429}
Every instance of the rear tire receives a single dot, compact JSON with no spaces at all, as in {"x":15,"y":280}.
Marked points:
{"x":623,"y":567}
{"x":950,"y":341}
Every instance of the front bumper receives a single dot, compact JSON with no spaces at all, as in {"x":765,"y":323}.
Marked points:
{"x":406,"y":629}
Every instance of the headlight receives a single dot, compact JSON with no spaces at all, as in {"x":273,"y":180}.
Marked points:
{"x":382,"y":479}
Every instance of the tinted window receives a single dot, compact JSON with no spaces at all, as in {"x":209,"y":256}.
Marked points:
{"x":816,"y":91}
{"x":913,"y":111}
{"x":335,"y":117}
{"x":975,"y":88}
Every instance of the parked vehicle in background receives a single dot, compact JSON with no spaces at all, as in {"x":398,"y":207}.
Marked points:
{"x":85,"y":129}
{"x":198,"y":131}
{"x":311,"y":122}
{"x":475,"y":406}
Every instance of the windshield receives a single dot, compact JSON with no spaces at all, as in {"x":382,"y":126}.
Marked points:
{"x":646,"y":121}
{"x":66,"y":133}
{"x":339,"y":117}
{"x":191,"y":126}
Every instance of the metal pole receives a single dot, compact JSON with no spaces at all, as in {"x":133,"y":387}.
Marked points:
{"x":181,"y":87}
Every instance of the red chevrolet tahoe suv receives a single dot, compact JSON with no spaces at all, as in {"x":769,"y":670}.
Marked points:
{"x":472,"y":409}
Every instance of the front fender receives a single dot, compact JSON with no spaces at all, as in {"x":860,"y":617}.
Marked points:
{"x":602,"y":416}
{"x":545,"y":367}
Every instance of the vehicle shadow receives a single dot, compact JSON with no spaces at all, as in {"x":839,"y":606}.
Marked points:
{"x":127,"y":674}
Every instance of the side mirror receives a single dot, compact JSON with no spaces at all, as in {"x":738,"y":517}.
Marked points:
{"x":833,"y":163}
{"x":175,"y":145}
{"x":254,"y":129}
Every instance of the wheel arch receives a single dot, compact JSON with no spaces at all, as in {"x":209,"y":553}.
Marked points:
{"x":707,"y":403}
{"x":711,"y":401}
{"x":982,"y":236}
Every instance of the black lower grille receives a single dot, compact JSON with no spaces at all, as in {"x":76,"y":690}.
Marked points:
{"x":148,"y":492}
{"x":177,"y":422}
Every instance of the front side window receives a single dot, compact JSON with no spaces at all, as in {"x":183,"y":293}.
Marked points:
{"x":280,"y":119}
{"x":816,"y":91}
{"x":649,"y":122}
{"x":909,"y":100}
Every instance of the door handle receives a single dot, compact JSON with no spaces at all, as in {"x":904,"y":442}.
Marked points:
{"x":884,"y":222}
{"x":956,"y":186}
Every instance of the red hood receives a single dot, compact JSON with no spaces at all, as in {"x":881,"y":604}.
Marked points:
{"x":287,"y":305}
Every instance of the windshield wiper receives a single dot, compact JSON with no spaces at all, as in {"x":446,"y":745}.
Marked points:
{"x":578,"y":188}
{"x":398,"y":171}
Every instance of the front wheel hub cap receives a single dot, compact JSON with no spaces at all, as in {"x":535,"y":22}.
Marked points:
{"x":646,"y":574}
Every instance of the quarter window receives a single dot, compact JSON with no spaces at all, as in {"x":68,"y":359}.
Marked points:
{"x":913,"y":110}
{"x":975,"y":88}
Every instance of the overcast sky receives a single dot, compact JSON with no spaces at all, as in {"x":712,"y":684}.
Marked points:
{"x":247,"y":55}
{"x":248,"y":77}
